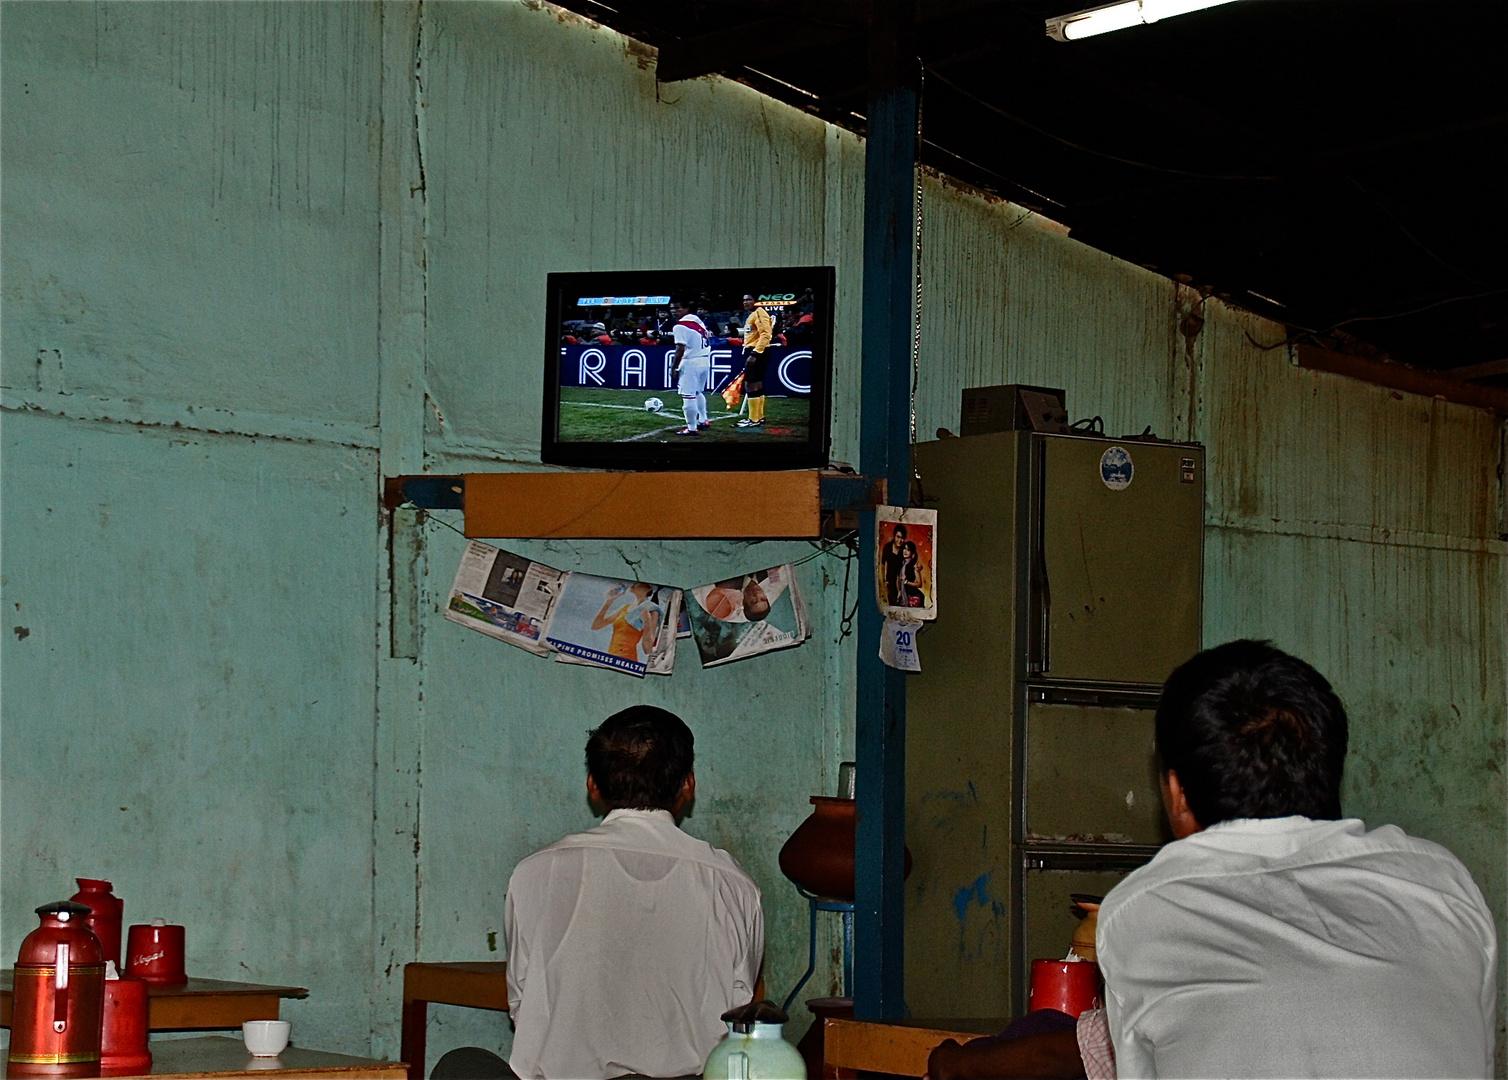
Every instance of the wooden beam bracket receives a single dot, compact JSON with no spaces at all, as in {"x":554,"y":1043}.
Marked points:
{"x":843,"y":492}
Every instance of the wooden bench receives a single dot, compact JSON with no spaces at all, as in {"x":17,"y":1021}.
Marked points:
{"x":897,"y":1047}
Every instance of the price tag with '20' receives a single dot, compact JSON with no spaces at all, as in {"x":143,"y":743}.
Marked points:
{"x":898,"y":645}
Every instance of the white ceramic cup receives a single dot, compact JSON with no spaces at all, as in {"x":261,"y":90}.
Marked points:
{"x":266,"y":1038}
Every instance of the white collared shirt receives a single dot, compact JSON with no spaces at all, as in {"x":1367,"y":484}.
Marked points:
{"x":1288,"y":947}
{"x":626,"y":943}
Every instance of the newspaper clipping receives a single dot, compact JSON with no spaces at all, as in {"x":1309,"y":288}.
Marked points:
{"x":624,"y":625}
{"x":747,"y":615}
{"x":504,"y":596}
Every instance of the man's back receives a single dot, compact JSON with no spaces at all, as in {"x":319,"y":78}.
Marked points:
{"x":626,"y":943}
{"x":1294,"y":947}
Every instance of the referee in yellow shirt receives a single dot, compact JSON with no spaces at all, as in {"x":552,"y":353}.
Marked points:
{"x":758,"y":329}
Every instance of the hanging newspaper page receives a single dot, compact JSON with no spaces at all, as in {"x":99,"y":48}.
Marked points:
{"x":627,"y":626}
{"x":748,"y":615}
{"x":504,"y":596}
{"x":905,"y":572}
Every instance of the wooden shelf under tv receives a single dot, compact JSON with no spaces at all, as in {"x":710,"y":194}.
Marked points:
{"x":643,"y":505}
{"x":669,"y":505}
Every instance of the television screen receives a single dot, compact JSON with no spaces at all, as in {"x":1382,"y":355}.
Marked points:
{"x":689,"y":369}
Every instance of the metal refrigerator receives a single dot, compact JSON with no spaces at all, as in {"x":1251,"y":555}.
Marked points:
{"x":1070,"y":584}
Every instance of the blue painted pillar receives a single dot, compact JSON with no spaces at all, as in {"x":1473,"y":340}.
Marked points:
{"x":884,"y":450}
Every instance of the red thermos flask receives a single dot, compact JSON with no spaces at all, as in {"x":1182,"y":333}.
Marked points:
{"x":58,"y":1005}
{"x":104,"y":916}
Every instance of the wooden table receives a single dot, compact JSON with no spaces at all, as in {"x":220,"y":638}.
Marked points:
{"x":196,"y":1004}
{"x":898,"y":1047}
{"x":477,"y":985}
{"x":215,"y":1055}
{"x":481,"y":984}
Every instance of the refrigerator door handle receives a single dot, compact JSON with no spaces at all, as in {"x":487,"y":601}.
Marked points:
{"x":1041,"y":599}
{"x":1039,"y":645}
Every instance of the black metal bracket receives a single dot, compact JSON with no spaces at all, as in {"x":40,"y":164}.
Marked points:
{"x":425,"y":492}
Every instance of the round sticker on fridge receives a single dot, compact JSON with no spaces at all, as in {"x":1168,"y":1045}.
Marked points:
{"x":1116,"y":468}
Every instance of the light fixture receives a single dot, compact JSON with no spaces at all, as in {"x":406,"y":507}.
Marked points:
{"x":1108,"y":17}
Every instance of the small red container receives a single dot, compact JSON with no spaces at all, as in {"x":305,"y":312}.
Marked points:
{"x":155,"y":953}
{"x":123,"y":1045}
{"x":1069,"y":986}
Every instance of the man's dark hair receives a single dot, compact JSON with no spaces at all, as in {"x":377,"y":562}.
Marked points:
{"x":640,"y":758}
{"x":756,"y":606}
{"x":1252,"y":733}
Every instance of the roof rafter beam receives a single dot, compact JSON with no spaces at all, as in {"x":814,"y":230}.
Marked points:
{"x":750,"y":44}
{"x":743,"y":46}
{"x":1480,"y":371}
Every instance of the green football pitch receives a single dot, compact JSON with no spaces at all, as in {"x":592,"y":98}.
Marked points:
{"x":596,"y":415}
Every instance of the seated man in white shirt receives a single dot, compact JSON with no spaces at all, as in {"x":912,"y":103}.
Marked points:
{"x":1273,"y":938}
{"x":626,"y":943}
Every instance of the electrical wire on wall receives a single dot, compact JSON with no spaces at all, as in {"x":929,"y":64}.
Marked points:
{"x":846,"y":614}
{"x":916,"y":267}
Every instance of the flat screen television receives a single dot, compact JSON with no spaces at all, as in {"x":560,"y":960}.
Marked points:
{"x":614,"y":399}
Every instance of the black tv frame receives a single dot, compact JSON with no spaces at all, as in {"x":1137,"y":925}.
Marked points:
{"x":691,"y":453}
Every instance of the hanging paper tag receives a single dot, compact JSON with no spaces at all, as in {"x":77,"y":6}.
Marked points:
{"x":898,"y":645}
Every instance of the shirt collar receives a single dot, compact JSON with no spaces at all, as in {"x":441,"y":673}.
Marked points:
{"x":639,"y":815}
{"x":1261,"y":826}
{"x":1273,"y":837}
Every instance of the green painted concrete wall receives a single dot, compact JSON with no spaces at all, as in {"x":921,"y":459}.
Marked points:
{"x":189,"y":449}
{"x":257,"y":256}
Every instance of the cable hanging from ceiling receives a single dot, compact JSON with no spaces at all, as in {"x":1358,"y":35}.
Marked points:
{"x":916,"y":256}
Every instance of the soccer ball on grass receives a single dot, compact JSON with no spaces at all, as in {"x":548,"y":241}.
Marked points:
{"x":654,"y":404}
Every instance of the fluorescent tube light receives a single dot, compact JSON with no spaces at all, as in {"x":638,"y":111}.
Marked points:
{"x":1127,"y":13}
{"x":1152,"y":10}
{"x":1096,"y":21}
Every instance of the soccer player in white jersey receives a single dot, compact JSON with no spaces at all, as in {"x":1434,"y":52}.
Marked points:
{"x":693,"y":361}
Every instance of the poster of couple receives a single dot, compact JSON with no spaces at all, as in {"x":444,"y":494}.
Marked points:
{"x":906,"y":564}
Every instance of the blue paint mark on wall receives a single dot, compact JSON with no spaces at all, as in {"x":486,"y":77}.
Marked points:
{"x":979,"y":891}
{"x":980,"y":932}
